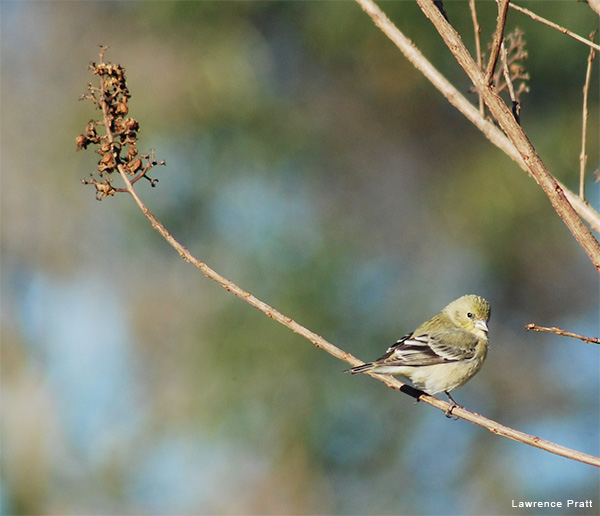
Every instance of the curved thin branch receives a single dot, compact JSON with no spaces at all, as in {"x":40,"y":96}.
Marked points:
{"x":323,"y":344}
{"x":498,"y":38}
{"x":567,"y":32}
{"x":564,"y":333}
{"x":584,"y":116}
{"x":477,"y":31}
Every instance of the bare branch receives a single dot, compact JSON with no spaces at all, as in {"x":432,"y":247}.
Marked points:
{"x":586,"y":87}
{"x":503,"y":116}
{"x":498,"y":38}
{"x":454,"y":97}
{"x":564,"y":333}
{"x":516,"y":134}
{"x":538,"y":18}
{"x":516,"y":107}
{"x":477,"y":30}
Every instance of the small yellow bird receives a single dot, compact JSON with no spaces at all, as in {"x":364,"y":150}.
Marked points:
{"x":443,"y":353}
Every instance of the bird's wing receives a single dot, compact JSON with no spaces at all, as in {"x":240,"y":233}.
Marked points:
{"x":431,"y":348}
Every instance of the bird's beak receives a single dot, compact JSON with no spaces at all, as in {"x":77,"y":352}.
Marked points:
{"x":481,"y":325}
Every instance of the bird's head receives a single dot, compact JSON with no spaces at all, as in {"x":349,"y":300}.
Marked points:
{"x":471,"y":313}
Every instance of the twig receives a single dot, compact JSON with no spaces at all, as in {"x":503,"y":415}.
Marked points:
{"x":511,"y":90}
{"x":479,"y":57}
{"x":459,"y":101}
{"x":519,"y":147}
{"x":586,"y":87}
{"x":564,"y":333}
{"x":538,"y":18}
{"x":321,"y":343}
{"x":515,"y":133}
{"x":498,"y":38}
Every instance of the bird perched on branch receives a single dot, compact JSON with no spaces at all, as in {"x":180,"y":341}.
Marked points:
{"x":443,"y":353}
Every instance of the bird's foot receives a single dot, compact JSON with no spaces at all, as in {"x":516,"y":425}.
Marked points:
{"x":449,"y":410}
{"x":453,"y":405}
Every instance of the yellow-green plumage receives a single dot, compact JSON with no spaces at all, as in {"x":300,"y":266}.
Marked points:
{"x":444,"y":352}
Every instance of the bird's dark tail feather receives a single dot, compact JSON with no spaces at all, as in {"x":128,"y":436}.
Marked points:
{"x":359,"y":369}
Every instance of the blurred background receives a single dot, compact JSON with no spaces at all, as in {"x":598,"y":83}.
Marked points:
{"x":308,"y":162}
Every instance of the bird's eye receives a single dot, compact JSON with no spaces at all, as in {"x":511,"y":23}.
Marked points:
{"x":470,"y":315}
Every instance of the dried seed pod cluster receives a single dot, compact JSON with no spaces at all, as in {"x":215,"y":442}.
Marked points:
{"x":118,"y":145}
{"x":515,"y":55}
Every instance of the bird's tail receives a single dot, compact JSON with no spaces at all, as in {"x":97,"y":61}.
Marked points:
{"x":360,"y":369}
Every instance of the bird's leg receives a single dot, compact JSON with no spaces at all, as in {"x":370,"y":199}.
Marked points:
{"x":451,"y":407}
